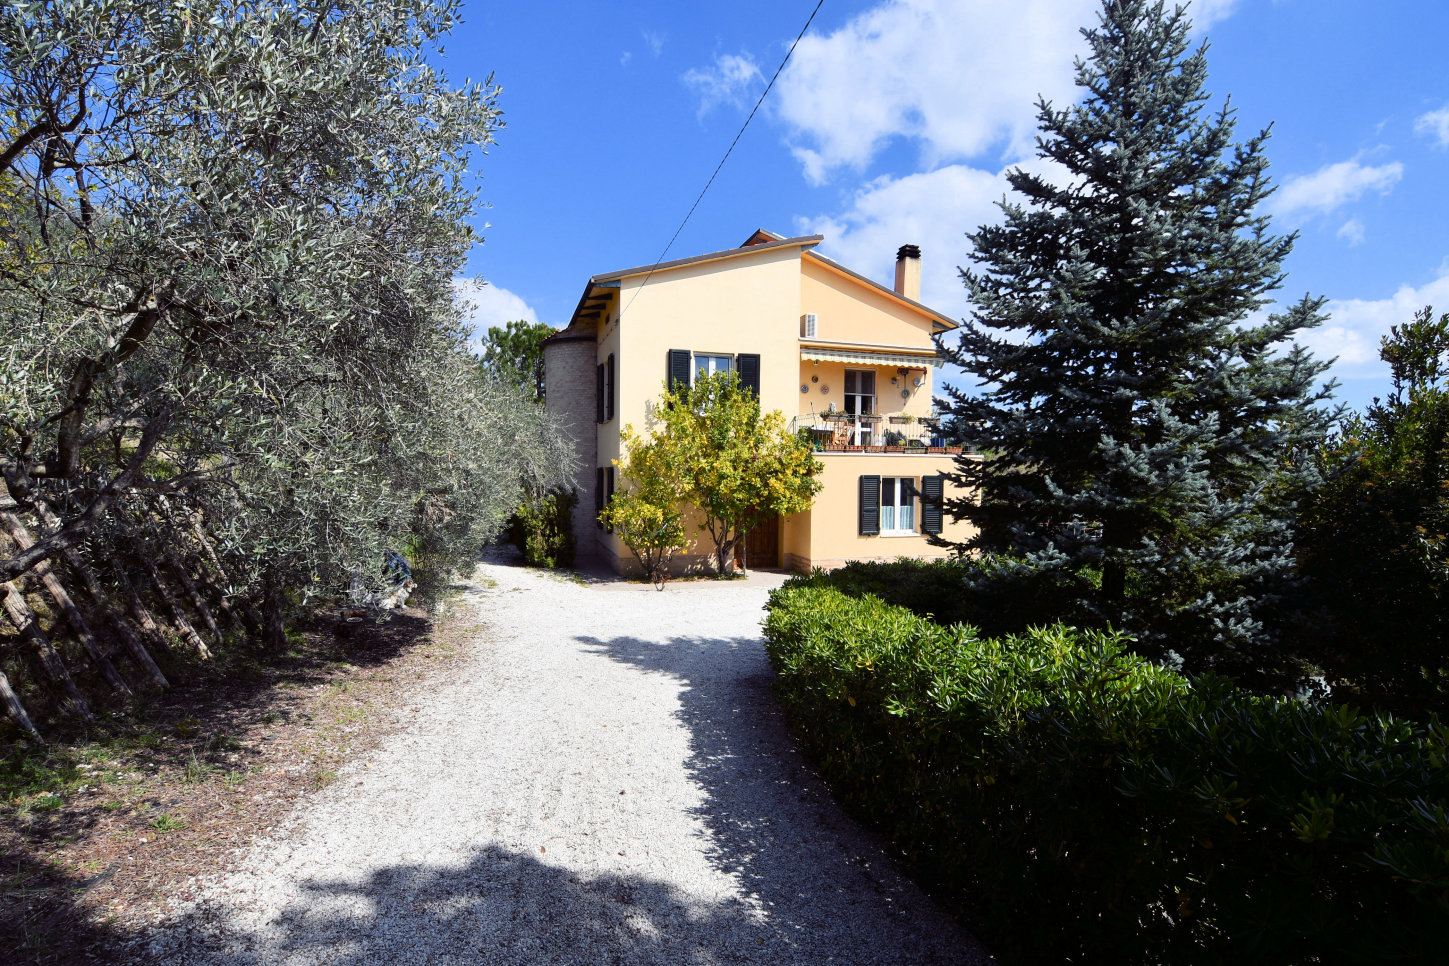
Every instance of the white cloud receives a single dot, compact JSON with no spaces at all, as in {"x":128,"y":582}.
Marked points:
{"x":1435,"y":124}
{"x":961,"y":77}
{"x":484,"y":306}
{"x":625,"y":57}
{"x":1205,"y":13}
{"x":655,"y":42}
{"x":1352,"y":232}
{"x":934,"y":210}
{"x":1357,"y":325}
{"x":728,"y":81}
{"x":1333,"y":186}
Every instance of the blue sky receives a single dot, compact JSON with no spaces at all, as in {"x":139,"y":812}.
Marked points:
{"x":894,"y":123}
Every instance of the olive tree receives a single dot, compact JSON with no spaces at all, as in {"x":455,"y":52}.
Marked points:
{"x":229,"y":235}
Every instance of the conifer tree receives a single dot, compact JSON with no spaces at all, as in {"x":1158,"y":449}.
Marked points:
{"x":1138,"y":408}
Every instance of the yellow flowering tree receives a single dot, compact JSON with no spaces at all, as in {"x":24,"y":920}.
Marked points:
{"x":734,"y":463}
{"x":647,"y":508}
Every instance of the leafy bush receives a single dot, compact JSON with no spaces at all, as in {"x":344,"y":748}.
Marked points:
{"x":961,"y":590}
{"x":1082,"y":805}
{"x":1374,"y":541}
{"x":542,"y":529}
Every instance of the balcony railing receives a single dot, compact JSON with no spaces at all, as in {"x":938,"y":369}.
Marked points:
{"x":872,"y":433}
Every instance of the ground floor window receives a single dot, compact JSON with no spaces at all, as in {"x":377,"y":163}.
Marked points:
{"x":897,"y":505}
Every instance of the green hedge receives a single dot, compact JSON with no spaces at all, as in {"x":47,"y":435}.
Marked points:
{"x":1078,"y":804}
{"x":971,"y":591}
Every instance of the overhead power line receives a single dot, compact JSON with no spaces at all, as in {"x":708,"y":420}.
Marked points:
{"x":673,"y":238}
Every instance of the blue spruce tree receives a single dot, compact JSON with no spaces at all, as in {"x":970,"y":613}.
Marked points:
{"x":1139,"y":412}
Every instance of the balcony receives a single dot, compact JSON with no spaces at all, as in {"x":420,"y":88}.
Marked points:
{"x":835,"y":432}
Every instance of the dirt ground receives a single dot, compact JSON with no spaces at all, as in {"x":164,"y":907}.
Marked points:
{"x":99,"y":832}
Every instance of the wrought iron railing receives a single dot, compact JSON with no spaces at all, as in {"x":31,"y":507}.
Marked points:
{"x":871,"y":432}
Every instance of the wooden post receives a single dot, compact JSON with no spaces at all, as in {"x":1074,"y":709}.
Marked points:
{"x":178,"y":616}
{"x":138,"y":608}
{"x":24,"y":620}
{"x":73,"y":616}
{"x":93,"y":589}
{"x":197,"y":601}
{"x":15,"y":709}
{"x":175,"y":563}
{"x":274,"y":628}
{"x":243,"y":615}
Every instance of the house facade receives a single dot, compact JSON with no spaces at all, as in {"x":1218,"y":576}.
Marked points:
{"x":849,"y":360}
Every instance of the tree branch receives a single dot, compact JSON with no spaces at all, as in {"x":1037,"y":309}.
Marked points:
{"x":76,"y":529}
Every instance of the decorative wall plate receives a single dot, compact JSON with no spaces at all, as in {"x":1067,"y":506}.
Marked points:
{"x":824,"y":390}
{"x":804,"y":388}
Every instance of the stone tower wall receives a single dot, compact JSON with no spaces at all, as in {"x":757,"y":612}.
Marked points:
{"x":569,"y":372}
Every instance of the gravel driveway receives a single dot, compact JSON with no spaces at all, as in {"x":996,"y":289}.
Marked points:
{"x":606,"y":780}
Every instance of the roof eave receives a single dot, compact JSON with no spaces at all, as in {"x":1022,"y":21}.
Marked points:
{"x":939,"y":318}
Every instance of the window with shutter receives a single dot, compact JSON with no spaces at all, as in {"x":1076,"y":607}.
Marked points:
{"x":599,"y":395}
{"x":598,"y":496}
{"x":749,"y":369}
{"x":933,"y":490}
{"x":869,"y":506}
{"x":678,"y":369}
{"x":609,"y":488}
{"x":609,"y":394}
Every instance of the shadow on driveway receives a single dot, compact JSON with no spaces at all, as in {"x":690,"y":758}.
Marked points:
{"x":814,"y":887}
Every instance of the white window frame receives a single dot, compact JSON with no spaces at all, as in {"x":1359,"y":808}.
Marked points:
{"x":892,"y":485}
{"x":711,"y":367}
{"x":861,"y":433}
{"x":860,"y":395}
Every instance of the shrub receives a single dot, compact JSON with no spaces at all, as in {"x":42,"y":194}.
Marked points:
{"x":967,"y":590}
{"x":1085,"y":805}
{"x":1374,"y":540}
{"x":543,"y":530}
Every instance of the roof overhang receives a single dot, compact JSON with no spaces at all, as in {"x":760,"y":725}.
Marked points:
{"x":939,"y":321}
{"x":593,"y":291}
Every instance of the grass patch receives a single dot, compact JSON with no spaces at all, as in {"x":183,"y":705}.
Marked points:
{"x":165,"y":823}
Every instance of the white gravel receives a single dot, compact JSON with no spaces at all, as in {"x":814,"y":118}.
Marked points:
{"x":607,"y":780}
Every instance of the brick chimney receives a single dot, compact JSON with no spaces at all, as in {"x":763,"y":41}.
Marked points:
{"x":908,"y":272}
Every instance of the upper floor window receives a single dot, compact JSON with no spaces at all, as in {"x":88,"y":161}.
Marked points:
{"x":709,"y":365}
{"x":860,"y":391}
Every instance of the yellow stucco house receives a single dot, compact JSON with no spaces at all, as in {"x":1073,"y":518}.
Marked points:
{"x":850,"y":360}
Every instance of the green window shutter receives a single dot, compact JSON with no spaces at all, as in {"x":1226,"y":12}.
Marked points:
{"x":598,"y":495}
{"x":749,"y":368}
{"x":609,"y":488}
{"x":869,"y":506}
{"x":599,"y":395}
{"x":678,"y":371}
{"x":933,"y":490}
{"x":610,"y":396}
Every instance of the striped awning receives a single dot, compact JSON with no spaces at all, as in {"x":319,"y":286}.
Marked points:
{"x":870,"y":357}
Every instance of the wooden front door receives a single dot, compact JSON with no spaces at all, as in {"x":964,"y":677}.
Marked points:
{"x":763,"y":545}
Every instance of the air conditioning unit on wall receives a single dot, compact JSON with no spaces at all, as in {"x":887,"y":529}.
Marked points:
{"x":808,"y":325}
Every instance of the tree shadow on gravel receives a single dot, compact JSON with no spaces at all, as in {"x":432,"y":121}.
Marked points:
{"x":813,"y":888}
{"x":502,"y":907}
{"x":827,"y":885}
{"x":194,"y":725}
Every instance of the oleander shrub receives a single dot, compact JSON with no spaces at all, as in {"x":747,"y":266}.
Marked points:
{"x":543,"y":531}
{"x":1076,"y":803}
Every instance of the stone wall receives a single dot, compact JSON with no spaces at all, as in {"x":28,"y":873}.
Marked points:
{"x":569,"y":365}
